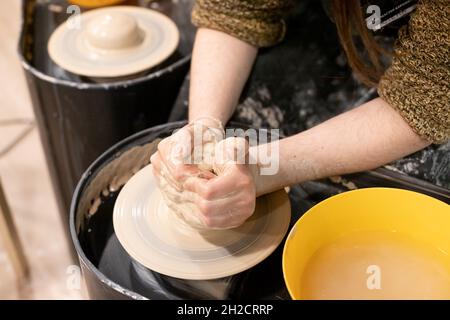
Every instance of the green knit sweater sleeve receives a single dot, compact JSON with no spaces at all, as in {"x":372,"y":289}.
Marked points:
{"x":258,"y":22}
{"x":417,"y":84}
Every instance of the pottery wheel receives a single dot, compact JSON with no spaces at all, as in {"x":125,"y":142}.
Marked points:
{"x":113,"y":41}
{"x":158,"y":239}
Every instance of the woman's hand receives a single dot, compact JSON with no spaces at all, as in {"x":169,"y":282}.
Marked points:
{"x":227,"y":199}
{"x":220,"y":200}
{"x":187,"y":151}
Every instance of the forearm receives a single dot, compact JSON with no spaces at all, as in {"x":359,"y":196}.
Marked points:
{"x":220,"y":67}
{"x":361,"y":139}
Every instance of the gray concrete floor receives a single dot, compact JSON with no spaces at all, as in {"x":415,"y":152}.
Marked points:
{"x":26,"y":181}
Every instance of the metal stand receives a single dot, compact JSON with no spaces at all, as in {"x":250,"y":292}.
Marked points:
{"x":11,"y":241}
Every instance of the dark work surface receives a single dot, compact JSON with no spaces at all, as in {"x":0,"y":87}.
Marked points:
{"x":305,"y":80}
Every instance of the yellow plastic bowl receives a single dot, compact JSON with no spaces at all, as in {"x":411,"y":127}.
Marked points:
{"x":95,"y":3}
{"x":373,"y":209}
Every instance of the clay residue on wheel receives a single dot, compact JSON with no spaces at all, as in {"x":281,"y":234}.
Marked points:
{"x":350,"y":185}
{"x":112,"y":177}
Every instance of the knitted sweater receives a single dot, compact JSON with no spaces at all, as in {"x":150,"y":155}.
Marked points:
{"x":417,"y":84}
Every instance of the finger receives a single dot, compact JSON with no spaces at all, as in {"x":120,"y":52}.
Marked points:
{"x":179,"y":147}
{"x":159,"y":168}
{"x":221,"y":207}
{"x":172,"y":180}
{"x":217,"y":214}
{"x":175,"y":150}
{"x":160,"y":172}
{"x":155,"y":160}
{"x":189,"y":171}
{"x":223,"y":188}
{"x":183,"y":173}
{"x":235,"y":179}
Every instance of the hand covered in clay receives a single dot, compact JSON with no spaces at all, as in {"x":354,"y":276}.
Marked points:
{"x":186,"y":154}
{"x":227,"y":199}
{"x":219,"y":192}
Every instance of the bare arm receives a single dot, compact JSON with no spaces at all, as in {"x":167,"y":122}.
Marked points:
{"x":220,"y":67}
{"x":361,"y":139}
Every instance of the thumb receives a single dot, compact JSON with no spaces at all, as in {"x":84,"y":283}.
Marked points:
{"x":181,"y":147}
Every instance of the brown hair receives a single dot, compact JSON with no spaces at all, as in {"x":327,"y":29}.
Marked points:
{"x":350,"y":23}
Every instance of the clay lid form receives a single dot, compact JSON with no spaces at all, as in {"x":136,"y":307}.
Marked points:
{"x":114,"y":42}
{"x":159,"y":240}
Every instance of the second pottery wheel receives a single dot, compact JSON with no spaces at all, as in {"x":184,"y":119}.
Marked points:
{"x":114,"y":42}
{"x":158,"y":239}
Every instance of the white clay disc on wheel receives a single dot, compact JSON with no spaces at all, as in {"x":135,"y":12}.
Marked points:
{"x":113,"y":41}
{"x":158,"y":239}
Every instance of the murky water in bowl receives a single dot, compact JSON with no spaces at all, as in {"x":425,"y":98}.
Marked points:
{"x":377,"y":265}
